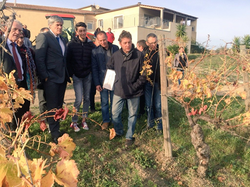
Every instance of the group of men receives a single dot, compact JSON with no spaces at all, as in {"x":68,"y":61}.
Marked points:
{"x":80,"y":59}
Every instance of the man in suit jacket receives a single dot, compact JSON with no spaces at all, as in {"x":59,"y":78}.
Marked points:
{"x":14,"y":62}
{"x":51,"y":68}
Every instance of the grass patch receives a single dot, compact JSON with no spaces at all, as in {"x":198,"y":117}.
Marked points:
{"x":104,"y":162}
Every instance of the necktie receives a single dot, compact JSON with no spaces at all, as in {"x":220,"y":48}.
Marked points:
{"x":18,"y":66}
{"x":58,"y":39}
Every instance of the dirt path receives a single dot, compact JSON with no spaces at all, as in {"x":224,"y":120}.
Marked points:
{"x":69,"y":98}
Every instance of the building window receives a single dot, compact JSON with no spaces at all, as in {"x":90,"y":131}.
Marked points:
{"x":90,"y":25}
{"x":118,"y":22}
{"x":100,"y":23}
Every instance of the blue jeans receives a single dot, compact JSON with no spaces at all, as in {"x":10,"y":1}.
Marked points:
{"x":117,"y":107}
{"x":105,"y":104}
{"x":82,"y":88}
{"x":153,"y":105}
{"x":179,"y":80}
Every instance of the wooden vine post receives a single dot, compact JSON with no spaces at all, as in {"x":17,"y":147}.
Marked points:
{"x":245,"y":78}
{"x":164,"y":99}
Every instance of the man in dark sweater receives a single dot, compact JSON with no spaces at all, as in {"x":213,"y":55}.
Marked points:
{"x":153,"y":92}
{"x":100,"y":56}
{"x":128,"y":85}
{"x":79,"y":65}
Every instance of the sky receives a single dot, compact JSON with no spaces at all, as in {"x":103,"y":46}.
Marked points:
{"x":222,"y":20}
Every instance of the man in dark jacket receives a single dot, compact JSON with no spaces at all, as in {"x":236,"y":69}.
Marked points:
{"x":128,"y":85}
{"x":153,"y":92}
{"x":79,"y":65}
{"x":11,"y":60}
{"x":100,"y":56}
{"x":52,"y":71}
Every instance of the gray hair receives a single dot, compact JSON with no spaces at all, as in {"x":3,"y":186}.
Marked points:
{"x":151,"y":35}
{"x":8,"y":24}
{"x":54,"y":19}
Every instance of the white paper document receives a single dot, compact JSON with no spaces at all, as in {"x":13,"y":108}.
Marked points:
{"x":109,"y":79}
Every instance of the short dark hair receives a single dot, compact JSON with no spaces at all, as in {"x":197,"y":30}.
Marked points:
{"x":101,"y":32}
{"x":124,"y":34}
{"x":142,"y":43}
{"x":43,"y":29}
{"x":80,"y":24}
{"x":151,"y":35}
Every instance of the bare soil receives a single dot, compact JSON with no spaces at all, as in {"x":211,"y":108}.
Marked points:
{"x":69,"y":98}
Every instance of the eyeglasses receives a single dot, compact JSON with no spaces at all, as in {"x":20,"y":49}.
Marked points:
{"x":153,"y":43}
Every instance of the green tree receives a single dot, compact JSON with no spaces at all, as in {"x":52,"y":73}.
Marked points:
{"x":197,"y":47}
{"x":246,"y":41}
{"x":236,"y":44}
{"x":181,"y":31}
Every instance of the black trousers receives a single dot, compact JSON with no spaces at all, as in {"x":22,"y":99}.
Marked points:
{"x":20,"y":111}
{"x":92,"y":95}
{"x":54,"y":93}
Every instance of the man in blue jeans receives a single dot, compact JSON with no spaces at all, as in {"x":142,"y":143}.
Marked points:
{"x":79,"y":65}
{"x":100,"y":56}
{"x":128,"y":85}
{"x":152,"y":91}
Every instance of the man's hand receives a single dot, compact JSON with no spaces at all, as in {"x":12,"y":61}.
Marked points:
{"x":46,"y":79}
{"x":99,"y":88}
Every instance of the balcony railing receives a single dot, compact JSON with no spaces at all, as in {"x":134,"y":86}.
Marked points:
{"x":154,"y":22}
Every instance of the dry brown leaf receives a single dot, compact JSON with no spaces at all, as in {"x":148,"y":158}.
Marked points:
{"x":48,"y":179}
{"x":37,"y":169}
{"x":67,"y":144}
{"x":112,"y":133}
{"x":66,"y":173}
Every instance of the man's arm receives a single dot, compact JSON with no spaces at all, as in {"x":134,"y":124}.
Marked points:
{"x":41,"y":54}
{"x":142,"y":77}
{"x":95,"y":72}
{"x":176,"y":60}
{"x":69,"y":60}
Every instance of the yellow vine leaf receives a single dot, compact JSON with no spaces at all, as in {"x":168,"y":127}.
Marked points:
{"x":3,"y":85}
{"x":18,"y":153}
{"x":11,"y":79}
{"x":19,"y":100}
{"x":227,"y":101}
{"x":66,"y":173}
{"x":243,"y":95}
{"x":8,"y":173}
{"x":24,"y":93}
{"x":2,"y":152}
{"x":187,"y":94}
{"x":208,"y":93}
{"x":48,"y":180}
{"x":179,"y":74}
{"x":67,"y":144}
{"x":37,"y":170}
{"x":64,"y":148}
{"x":5,"y":115}
{"x":184,"y":83}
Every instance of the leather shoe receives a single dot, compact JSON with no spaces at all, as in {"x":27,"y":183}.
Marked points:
{"x":105,"y":125}
{"x":61,"y":133}
{"x":129,"y":142}
{"x":55,"y":140}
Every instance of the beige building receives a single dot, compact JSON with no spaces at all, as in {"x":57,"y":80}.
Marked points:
{"x":142,"y":19}
{"x":34,"y":16}
{"x":138,"y":19}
